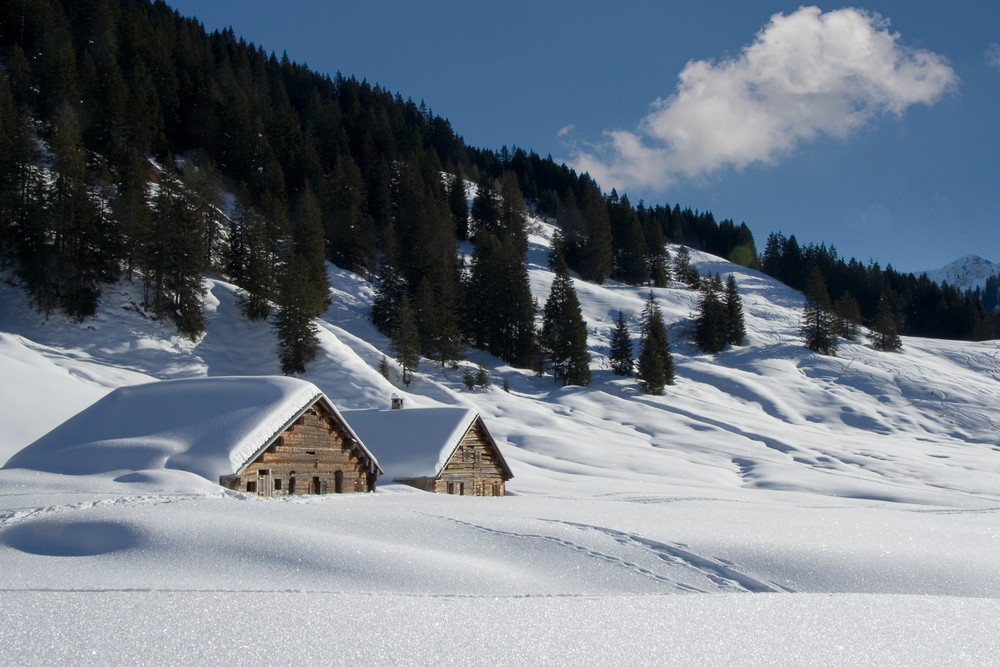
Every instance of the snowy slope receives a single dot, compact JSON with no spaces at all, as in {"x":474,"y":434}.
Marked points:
{"x":861,"y":492}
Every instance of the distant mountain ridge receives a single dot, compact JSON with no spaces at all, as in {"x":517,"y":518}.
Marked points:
{"x":966,"y":273}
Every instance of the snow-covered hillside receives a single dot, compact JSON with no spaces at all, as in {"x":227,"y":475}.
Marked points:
{"x":858,"y":497}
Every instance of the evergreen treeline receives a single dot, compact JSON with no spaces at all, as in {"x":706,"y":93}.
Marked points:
{"x":123,"y":125}
{"x":918,"y":306}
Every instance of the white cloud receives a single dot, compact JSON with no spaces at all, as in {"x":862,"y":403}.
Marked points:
{"x":993,"y":56}
{"x":807,"y":73}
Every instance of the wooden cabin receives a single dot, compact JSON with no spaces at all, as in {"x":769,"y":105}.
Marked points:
{"x":271,"y":436}
{"x":442,"y":450}
{"x":315,"y":453}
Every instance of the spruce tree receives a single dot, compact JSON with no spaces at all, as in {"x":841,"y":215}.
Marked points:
{"x":500,"y":311}
{"x":303,"y":289}
{"x":658,"y":259}
{"x":849,"y":314}
{"x":251,"y":262}
{"x":296,"y":332}
{"x":78,"y":266}
{"x":655,"y":367}
{"x":174,"y":261}
{"x":712,"y":322}
{"x":405,"y":343}
{"x":620,"y":355}
{"x":684,"y":269}
{"x":513,"y":214}
{"x":564,"y":331}
{"x":597,"y":252}
{"x":732,"y":303}
{"x":819,"y":325}
{"x":458,"y":204}
{"x":885,"y":333}
{"x":347,"y":223}
{"x":485,"y":213}
{"x":308,"y":242}
{"x":390,"y":287}
{"x":630,"y":261}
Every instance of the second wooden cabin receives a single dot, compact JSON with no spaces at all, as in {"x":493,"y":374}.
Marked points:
{"x":442,"y":450}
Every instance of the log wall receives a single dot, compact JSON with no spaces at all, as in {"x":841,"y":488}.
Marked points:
{"x":473,"y":469}
{"x":315,"y":455}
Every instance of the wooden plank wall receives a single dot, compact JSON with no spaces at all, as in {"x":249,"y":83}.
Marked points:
{"x":473,"y":469}
{"x":313,"y":456}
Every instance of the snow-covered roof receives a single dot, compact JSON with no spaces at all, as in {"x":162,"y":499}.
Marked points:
{"x":211,"y":426}
{"x":411,"y":443}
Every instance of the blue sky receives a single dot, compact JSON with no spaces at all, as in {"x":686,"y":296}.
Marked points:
{"x":873,"y":129}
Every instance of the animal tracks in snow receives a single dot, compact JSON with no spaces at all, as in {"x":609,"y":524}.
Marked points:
{"x":719,"y":571}
{"x":682,"y":569}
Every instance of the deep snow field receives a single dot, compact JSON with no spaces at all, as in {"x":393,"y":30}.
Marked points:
{"x":774,"y":506}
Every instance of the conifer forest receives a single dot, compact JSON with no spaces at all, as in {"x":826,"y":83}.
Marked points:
{"x":136,"y":146}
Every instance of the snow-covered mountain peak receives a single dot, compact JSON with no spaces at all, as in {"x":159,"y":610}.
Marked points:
{"x":966,"y":273}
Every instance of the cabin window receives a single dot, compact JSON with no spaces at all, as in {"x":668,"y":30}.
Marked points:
{"x":311,"y":452}
{"x":277,"y":484}
{"x":263,"y":472}
{"x":470,"y":455}
{"x":251,"y":487}
{"x":456,"y":488}
{"x":338,"y":481}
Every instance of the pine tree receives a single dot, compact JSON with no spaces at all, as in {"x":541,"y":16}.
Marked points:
{"x":658,"y":259}
{"x":348,"y":225}
{"x":25,"y":228}
{"x":309,"y":244}
{"x":390,"y":287}
{"x":79,"y":266}
{"x":513,"y":214}
{"x":485,"y":213}
{"x":630,"y":261}
{"x":173,"y":262}
{"x":819,"y":325}
{"x":655,"y":368}
{"x":458,"y":204}
{"x":597,"y":251}
{"x":405,"y":343}
{"x":296,"y":332}
{"x":251,"y":262}
{"x":620,"y":356}
{"x":500,"y":311}
{"x":849,"y":314}
{"x":303,"y":289}
{"x":712,"y":322}
{"x":684,"y":269}
{"x":482,"y":377}
{"x":564,"y":331}
{"x":131,"y":206}
{"x":732,"y":303}
{"x":885,"y":333}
